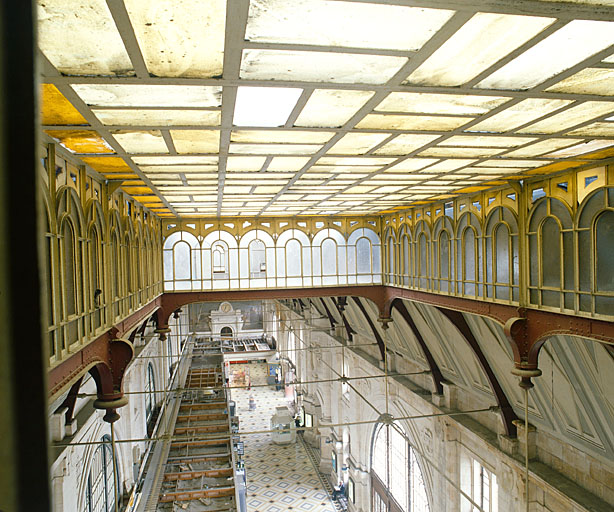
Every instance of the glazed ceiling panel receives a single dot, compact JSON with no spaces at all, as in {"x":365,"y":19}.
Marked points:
{"x":296,"y":107}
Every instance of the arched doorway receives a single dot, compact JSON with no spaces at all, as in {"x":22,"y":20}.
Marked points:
{"x":226,"y":333}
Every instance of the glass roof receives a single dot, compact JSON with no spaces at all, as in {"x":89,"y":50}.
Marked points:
{"x":313,"y":106}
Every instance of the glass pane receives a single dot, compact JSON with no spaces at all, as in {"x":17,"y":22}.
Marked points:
{"x":399,"y":467}
{"x":419,"y":499}
{"x":478,"y":44}
{"x":128,"y":95}
{"x":297,"y":136}
{"x":331,"y":108}
{"x":364,"y":25}
{"x":142,"y":142}
{"x":357,"y":143}
{"x":380,"y":454}
{"x":194,"y":51}
{"x":604,"y":240}
{"x":293,"y":258}
{"x":518,"y":114}
{"x":403,"y":144}
{"x":264,"y":106}
{"x":318,"y":66}
{"x":196,"y":141}
{"x":502,"y":254}
{"x":88,"y":27}
{"x":363,"y":251}
{"x":159,"y":117}
{"x":551,"y":253}
{"x":396,"y":122}
{"x":570,"y":117}
{"x":569,"y":45}
{"x":588,"y":81}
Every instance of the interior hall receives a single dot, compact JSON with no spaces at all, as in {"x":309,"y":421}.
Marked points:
{"x":307,"y":256}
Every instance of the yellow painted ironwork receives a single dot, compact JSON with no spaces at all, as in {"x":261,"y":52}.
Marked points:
{"x":56,"y":109}
{"x":81,"y":141}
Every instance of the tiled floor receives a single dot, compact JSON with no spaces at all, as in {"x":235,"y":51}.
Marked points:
{"x":279,"y":477}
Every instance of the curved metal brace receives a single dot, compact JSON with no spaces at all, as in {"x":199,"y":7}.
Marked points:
{"x":508,"y":415}
{"x":109,"y":376}
{"x":376,"y":334}
{"x":436,"y":374}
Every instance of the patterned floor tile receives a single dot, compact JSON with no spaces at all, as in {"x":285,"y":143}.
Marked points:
{"x":280,"y":478}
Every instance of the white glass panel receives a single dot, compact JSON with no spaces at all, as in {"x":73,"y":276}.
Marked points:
{"x":512,"y":163}
{"x":159,"y":117}
{"x":181,"y":254}
{"x":588,"y":81}
{"x":486,"y":141}
{"x":264,"y":106}
{"x":419,"y":498}
{"x":363,"y":256}
{"x":461,"y":152}
{"x":89,"y":29}
{"x":448,"y":165}
{"x":329,"y":257}
{"x":477,"y":482}
{"x":180,"y":38}
{"x":142,"y":142}
{"x":355,"y":161}
{"x":399,"y":466}
{"x":396,"y":122}
{"x":581,"y":149}
{"x":519,"y":114}
{"x":162,"y":170}
{"x":478,"y":44}
{"x":570,"y":117}
{"x":357,"y":143}
{"x":175,"y":160}
{"x":287,"y":163}
{"x":330,"y":108}
{"x":410,"y":164}
{"x":168,"y":265}
{"x":318,"y":66}
{"x":539,"y":148}
{"x":569,"y":45}
{"x":403,"y":144}
{"x":293,"y":258}
{"x":130,"y":95}
{"x":296,"y":136}
{"x":380,"y":454}
{"x":592,"y":129}
{"x":363,"y":25}
{"x":266,"y":149}
{"x":427,"y":103}
{"x":196,"y":141}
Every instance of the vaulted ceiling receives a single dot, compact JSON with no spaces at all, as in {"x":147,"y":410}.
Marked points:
{"x":319,"y":107}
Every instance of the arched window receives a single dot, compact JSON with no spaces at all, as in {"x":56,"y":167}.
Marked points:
{"x":293,"y":258}
{"x":391,"y":265}
{"x":100,"y":490}
{"x":226,"y":332}
{"x":363,"y":256}
{"x":423,"y":260}
{"x":469,"y":257}
{"x":150,"y":393}
{"x":69,"y":268}
{"x":405,"y":258}
{"x":181,"y":261}
{"x":397,"y":482}
{"x":218,"y":253}
{"x":604,"y":257}
{"x":257,"y":258}
{"x":329,"y":257}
